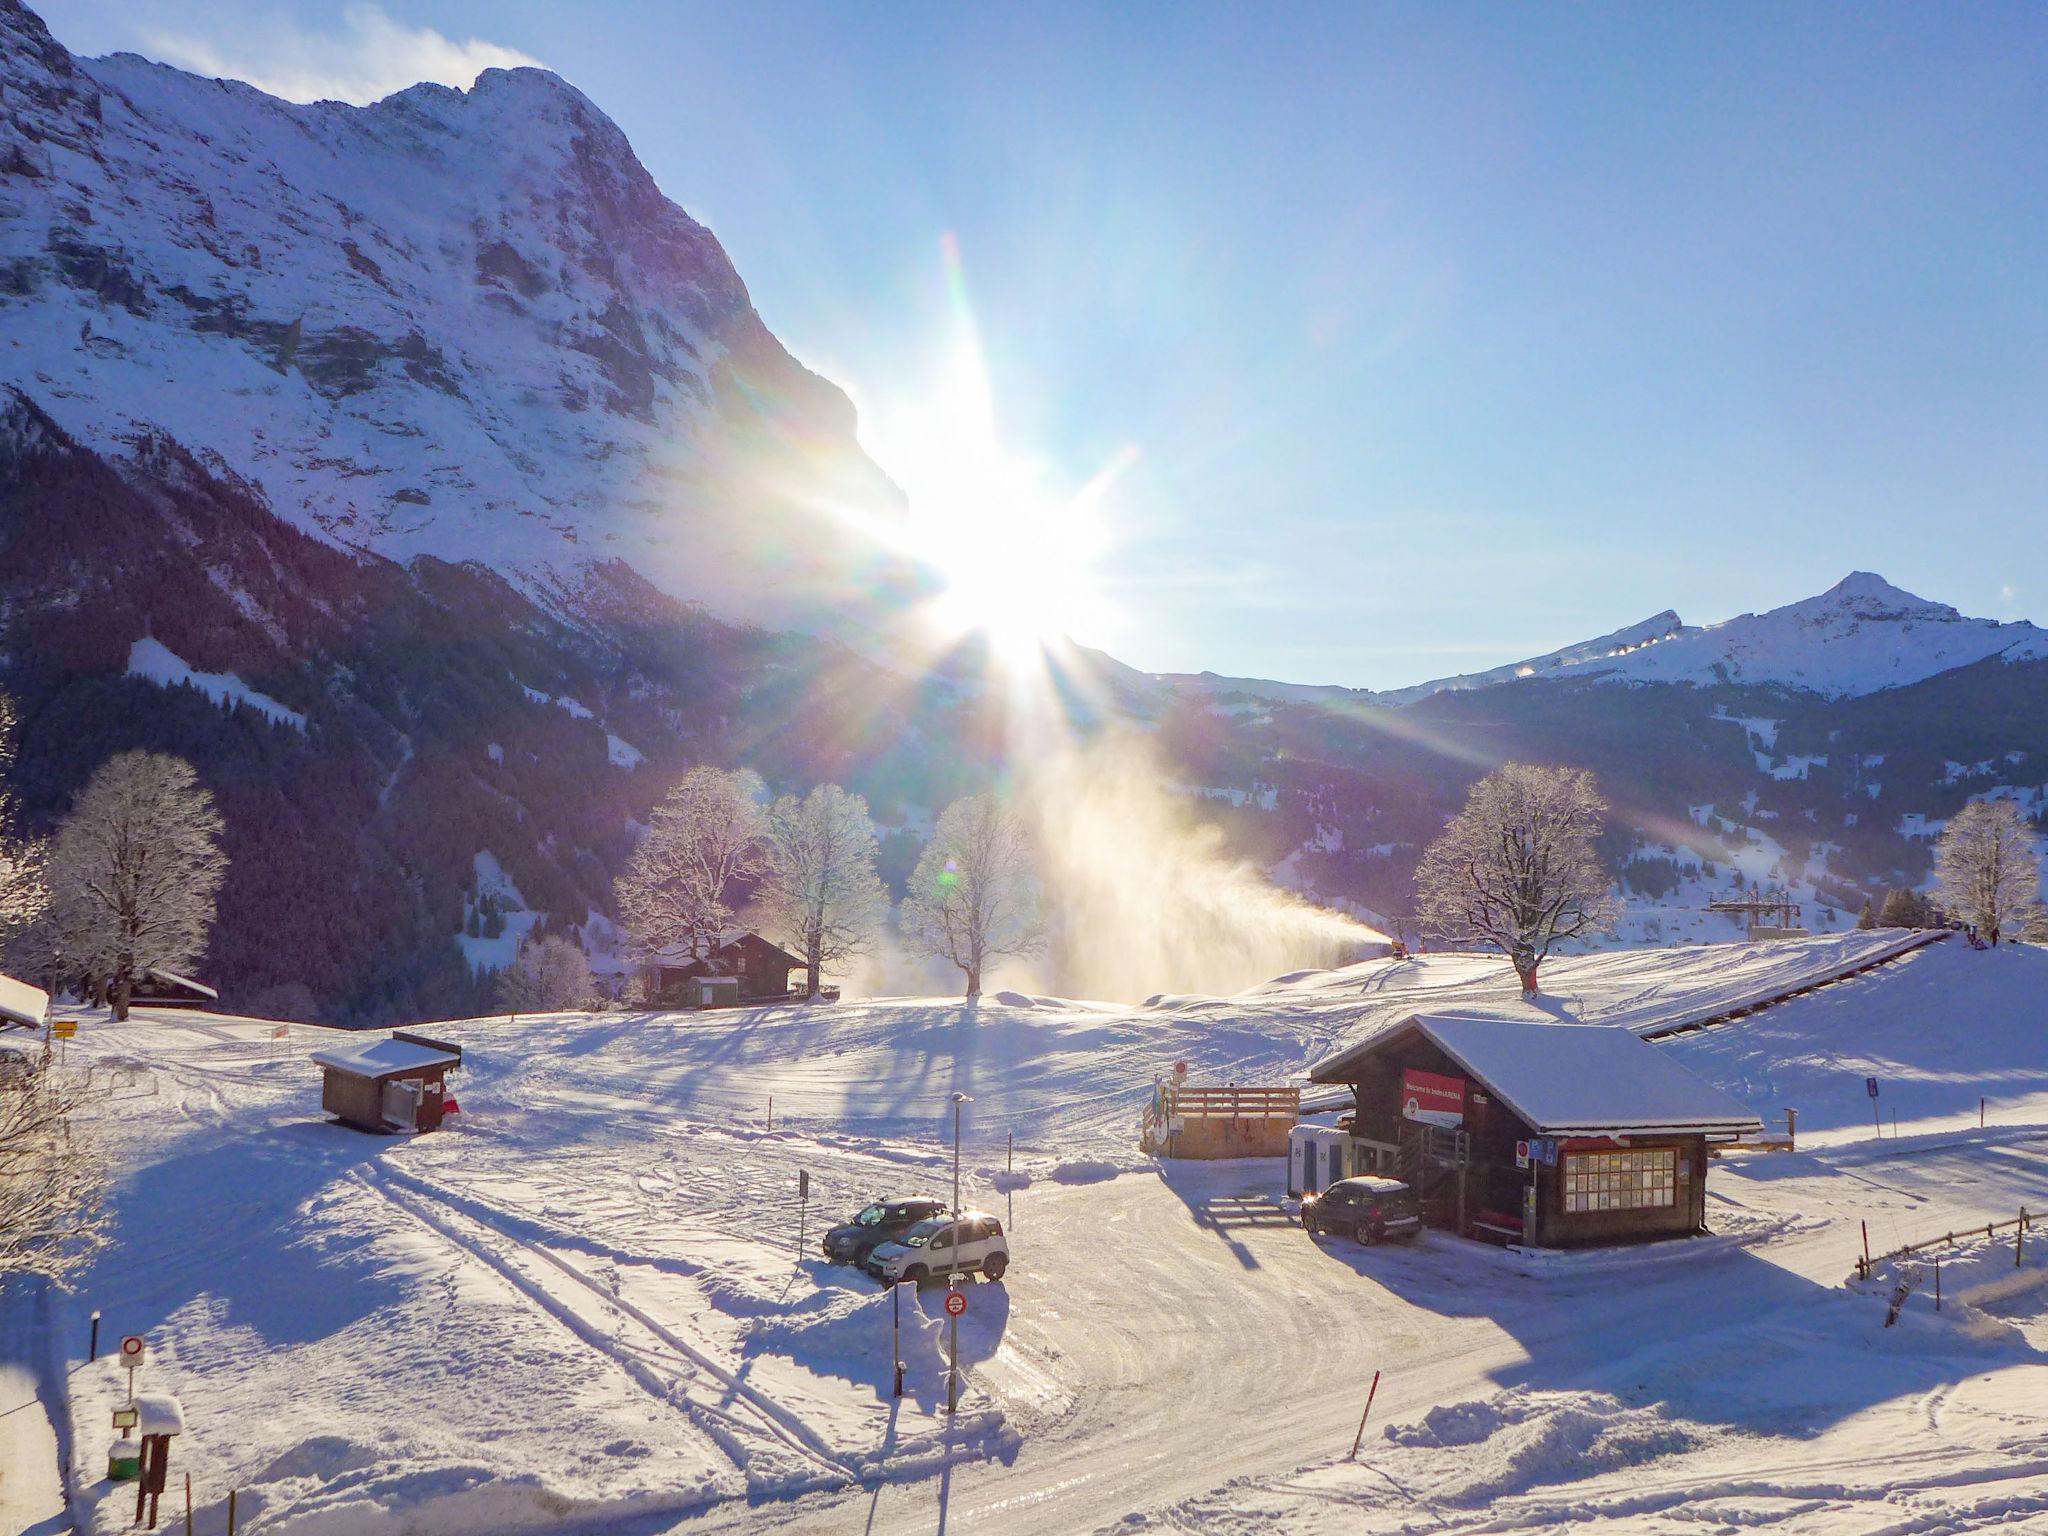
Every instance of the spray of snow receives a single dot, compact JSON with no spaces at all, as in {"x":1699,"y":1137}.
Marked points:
{"x":1146,"y":895}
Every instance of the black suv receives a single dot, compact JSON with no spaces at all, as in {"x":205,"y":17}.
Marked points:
{"x":1370,"y":1208}
{"x":851,"y":1242}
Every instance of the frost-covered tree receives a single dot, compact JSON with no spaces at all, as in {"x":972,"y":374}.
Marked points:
{"x":1867,"y":918}
{"x":548,"y":975}
{"x":821,"y":896}
{"x":972,"y":896}
{"x":1986,"y":867}
{"x":1516,"y":868}
{"x":136,"y":867}
{"x":24,"y":888}
{"x":53,"y":1173}
{"x":703,"y":851}
{"x":2035,"y":930}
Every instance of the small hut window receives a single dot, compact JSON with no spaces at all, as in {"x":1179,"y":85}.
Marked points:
{"x":1621,"y":1181}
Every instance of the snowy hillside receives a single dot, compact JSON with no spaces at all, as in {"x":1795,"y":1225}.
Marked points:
{"x":585,"y":1307}
{"x":463,"y":324}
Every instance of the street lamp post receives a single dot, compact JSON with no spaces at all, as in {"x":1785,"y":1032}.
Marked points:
{"x":958,"y":1100}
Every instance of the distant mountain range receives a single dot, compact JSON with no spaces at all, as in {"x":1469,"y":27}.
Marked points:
{"x":427,"y":477}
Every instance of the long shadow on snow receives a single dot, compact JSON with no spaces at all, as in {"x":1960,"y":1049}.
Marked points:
{"x":218,"y":1223}
{"x":1227,"y":1197}
{"x":1717,"y":1334}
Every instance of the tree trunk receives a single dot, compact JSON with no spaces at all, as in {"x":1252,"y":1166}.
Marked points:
{"x":973,"y":982}
{"x":123,"y":989}
{"x":1527,"y":971}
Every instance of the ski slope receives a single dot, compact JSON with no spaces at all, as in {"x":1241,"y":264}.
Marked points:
{"x":584,"y":1307}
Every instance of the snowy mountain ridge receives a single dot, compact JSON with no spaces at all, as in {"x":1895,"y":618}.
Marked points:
{"x":464,"y":324}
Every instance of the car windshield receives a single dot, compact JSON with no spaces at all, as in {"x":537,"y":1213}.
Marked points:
{"x":923,"y":1233}
{"x":868,"y":1217}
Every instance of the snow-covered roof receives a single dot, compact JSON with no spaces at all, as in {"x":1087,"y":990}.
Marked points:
{"x":383,"y":1058}
{"x":172,"y":978}
{"x":22,"y":1004}
{"x":158,"y":1413}
{"x":683,"y":951}
{"x":1574,"y":1079}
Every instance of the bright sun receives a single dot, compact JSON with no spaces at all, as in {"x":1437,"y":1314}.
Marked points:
{"x":1017,"y":556}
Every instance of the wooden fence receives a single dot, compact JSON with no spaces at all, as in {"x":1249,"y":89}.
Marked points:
{"x":2020,"y":1226}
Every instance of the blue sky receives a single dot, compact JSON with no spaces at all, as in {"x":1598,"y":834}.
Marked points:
{"x":1445,"y":334}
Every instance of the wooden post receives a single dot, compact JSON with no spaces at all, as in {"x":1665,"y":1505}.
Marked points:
{"x":2019,"y":1237}
{"x":1359,"y":1439}
{"x":1937,"y":1282}
{"x":231,"y":1512}
{"x":1865,"y":1265}
{"x":1791,"y":1130}
{"x":771,"y":1111}
{"x":188,"y":1504}
{"x":1980,"y":1114}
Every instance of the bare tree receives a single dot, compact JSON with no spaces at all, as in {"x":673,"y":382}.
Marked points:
{"x":1986,"y":868}
{"x":702,"y":852}
{"x":822,"y":896}
{"x":136,"y":868}
{"x":54,"y":1174}
{"x":972,"y":897}
{"x":1516,"y":867}
{"x":548,"y":975}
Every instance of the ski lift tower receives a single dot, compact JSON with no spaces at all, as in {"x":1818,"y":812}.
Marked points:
{"x":1771,"y":914}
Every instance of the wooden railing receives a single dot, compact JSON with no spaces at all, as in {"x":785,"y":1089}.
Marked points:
{"x":2020,"y":1226}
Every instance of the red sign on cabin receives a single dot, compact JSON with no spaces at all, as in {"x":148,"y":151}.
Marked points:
{"x":1432,"y":1099}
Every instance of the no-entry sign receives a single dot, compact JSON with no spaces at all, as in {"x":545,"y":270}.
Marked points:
{"x":956,"y":1302}
{"x":131,"y":1349}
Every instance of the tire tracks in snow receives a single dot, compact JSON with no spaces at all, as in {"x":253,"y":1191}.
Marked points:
{"x":443,"y":1211}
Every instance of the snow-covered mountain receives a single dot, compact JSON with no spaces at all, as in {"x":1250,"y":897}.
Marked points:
{"x":464,"y":324}
{"x":384,"y":462}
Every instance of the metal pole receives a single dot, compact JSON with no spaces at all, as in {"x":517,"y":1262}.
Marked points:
{"x":896,"y":1339}
{"x":1010,"y":1154}
{"x":93,"y":1351}
{"x":188,"y":1504}
{"x":953,"y":1360}
{"x":231,"y":1512}
{"x":956,"y":1153}
{"x":1937,"y":1282}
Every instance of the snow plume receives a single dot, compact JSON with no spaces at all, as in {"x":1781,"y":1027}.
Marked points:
{"x":368,"y":57}
{"x":1141,"y":896}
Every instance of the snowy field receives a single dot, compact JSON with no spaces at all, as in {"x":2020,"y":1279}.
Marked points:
{"x":583,"y":1308}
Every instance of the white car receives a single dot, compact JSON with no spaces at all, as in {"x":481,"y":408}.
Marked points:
{"x":971,"y":1242}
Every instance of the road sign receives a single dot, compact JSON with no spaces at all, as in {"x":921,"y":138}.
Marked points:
{"x":1521,"y":1154}
{"x":956,"y":1303}
{"x":1870,"y":1086}
{"x":131,"y":1349}
{"x":803,"y":1184}
{"x":63,"y":1029}
{"x":126,"y":1418}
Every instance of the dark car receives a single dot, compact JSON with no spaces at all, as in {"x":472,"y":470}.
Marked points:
{"x":1370,"y":1208}
{"x":852,"y":1241}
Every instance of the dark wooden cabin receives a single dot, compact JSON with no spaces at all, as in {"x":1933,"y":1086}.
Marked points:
{"x":1530,"y":1131}
{"x":390,"y":1084}
{"x":158,"y":988}
{"x":740,"y":967}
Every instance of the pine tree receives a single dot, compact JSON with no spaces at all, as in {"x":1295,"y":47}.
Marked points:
{"x":1867,"y":918}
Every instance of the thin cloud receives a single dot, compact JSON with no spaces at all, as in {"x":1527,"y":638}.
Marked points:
{"x":364,"y":59}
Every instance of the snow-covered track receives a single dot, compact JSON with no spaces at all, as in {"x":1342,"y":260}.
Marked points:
{"x":510,"y":1256}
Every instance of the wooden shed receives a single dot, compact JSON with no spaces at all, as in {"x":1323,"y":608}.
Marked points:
{"x":1537,"y":1132}
{"x":394,"y":1084}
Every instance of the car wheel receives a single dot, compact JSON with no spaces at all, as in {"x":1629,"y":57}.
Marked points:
{"x":1366,"y":1236}
{"x":995,"y":1266}
{"x":917,"y":1275}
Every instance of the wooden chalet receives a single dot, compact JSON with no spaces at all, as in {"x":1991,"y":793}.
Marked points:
{"x":738,"y":967}
{"x":1527,"y":1130}
{"x":159,"y":988}
{"x":394,"y":1084}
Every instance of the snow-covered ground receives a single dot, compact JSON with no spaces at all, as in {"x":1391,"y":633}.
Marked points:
{"x":585,"y":1308}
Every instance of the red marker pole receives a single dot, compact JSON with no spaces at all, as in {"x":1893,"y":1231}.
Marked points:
{"x":1359,"y":1439}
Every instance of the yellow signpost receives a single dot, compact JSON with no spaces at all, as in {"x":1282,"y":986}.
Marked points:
{"x":63,"y":1029}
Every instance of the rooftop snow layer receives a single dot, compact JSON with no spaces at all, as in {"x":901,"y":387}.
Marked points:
{"x":1566,"y":1079}
{"x":21,"y":1003}
{"x":381,"y":1058}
